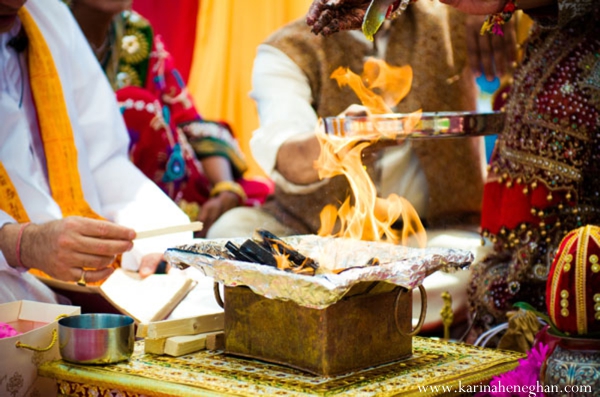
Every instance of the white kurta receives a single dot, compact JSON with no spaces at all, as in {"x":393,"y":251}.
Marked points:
{"x":112,"y":185}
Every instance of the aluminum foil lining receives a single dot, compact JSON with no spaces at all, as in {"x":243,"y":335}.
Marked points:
{"x":399,"y":265}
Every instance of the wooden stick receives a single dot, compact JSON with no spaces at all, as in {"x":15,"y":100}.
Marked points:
{"x":190,"y":227}
{"x":179,"y":345}
{"x":183,"y":344}
{"x":182,"y":326}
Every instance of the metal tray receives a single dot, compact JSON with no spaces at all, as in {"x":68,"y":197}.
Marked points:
{"x":431,"y":124}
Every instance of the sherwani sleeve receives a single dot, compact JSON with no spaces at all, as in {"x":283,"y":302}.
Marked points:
{"x":283,"y":98}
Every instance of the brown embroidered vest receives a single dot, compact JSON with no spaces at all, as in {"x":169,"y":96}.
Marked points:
{"x":441,"y":82}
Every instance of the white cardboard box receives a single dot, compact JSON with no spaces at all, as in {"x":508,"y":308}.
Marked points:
{"x":38,"y":343}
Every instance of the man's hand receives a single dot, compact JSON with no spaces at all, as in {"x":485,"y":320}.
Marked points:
{"x":149,"y":264}
{"x":329,"y":16}
{"x":214,"y":207}
{"x":64,"y":248}
{"x":489,"y":54}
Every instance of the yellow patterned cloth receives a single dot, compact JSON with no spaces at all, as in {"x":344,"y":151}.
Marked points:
{"x":436,"y":369}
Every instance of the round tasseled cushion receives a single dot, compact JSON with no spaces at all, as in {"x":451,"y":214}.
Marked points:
{"x":573,"y":289}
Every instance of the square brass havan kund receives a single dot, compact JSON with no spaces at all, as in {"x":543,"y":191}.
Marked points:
{"x":357,"y":332}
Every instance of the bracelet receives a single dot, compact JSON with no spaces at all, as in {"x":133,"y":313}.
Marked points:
{"x":229,"y":186}
{"x":493,"y":23}
{"x":398,"y":8}
{"x":18,"y":248}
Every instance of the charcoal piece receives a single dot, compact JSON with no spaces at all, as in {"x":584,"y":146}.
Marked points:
{"x":277,"y":245}
{"x":373,"y":262}
{"x":234,"y":250}
{"x":254,"y":250}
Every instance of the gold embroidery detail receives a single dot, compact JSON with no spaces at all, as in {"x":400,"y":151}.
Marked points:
{"x":564,"y":294}
{"x":127,"y":76}
{"x":134,"y":47}
{"x":565,"y":258}
{"x":595,"y":265}
{"x":136,"y":20}
{"x":580,"y":277}
{"x":531,"y":160}
{"x":564,"y":129}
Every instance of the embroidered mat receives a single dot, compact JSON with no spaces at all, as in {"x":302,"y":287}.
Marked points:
{"x":436,"y":368}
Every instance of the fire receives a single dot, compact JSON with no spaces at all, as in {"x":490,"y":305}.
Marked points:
{"x":368,"y":217}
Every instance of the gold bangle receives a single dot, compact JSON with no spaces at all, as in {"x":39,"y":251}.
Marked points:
{"x":229,"y":186}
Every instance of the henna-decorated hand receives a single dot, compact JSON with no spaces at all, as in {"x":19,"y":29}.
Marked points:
{"x":330,"y":16}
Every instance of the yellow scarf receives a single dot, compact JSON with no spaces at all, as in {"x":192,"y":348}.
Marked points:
{"x":55,"y":130}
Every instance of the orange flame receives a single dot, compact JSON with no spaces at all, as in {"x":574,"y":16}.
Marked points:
{"x":369,"y":217}
{"x":392,"y":84}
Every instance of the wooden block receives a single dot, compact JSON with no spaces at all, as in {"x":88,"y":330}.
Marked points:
{"x":155,"y":346}
{"x":141,"y":330}
{"x":215,"y":341}
{"x":179,"y":345}
{"x":184,"y":326}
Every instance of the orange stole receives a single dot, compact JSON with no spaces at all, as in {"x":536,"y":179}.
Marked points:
{"x":56,"y":133}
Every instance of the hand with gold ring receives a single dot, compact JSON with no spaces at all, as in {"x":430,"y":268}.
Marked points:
{"x":81,"y":280}
{"x":74,"y":248}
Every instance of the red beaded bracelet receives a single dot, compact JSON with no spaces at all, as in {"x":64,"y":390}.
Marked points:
{"x":397,"y":8}
{"x":18,"y":248}
{"x":493,"y":23}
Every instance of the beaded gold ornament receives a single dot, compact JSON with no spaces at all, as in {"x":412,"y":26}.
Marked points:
{"x":399,"y":9}
{"x":493,"y":23}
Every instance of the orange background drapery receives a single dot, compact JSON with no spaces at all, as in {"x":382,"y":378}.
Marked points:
{"x":227,"y":35}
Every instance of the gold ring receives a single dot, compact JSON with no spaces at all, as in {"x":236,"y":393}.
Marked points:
{"x":81,"y":280}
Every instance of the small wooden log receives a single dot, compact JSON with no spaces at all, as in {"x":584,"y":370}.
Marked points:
{"x":179,"y":345}
{"x":184,"y":326}
{"x":215,"y":341}
{"x":155,"y":346}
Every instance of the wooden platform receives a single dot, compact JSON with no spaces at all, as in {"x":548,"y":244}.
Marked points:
{"x":436,"y":368}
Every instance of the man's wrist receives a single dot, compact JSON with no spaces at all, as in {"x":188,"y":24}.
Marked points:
{"x":19,"y":245}
{"x":11,"y":244}
{"x":230,"y":199}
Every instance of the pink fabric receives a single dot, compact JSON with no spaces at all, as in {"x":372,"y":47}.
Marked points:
{"x":6,"y":331}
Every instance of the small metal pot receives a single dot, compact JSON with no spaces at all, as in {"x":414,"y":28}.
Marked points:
{"x":96,"y":338}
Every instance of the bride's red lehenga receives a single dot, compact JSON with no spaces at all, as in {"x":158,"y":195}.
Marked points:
{"x":544,"y":176}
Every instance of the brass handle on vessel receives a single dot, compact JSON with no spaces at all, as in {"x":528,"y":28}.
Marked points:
{"x":421,"y":316}
{"x":217,"y":293}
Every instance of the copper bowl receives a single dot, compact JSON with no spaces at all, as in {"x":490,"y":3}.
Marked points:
{"x":96,"y":338}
